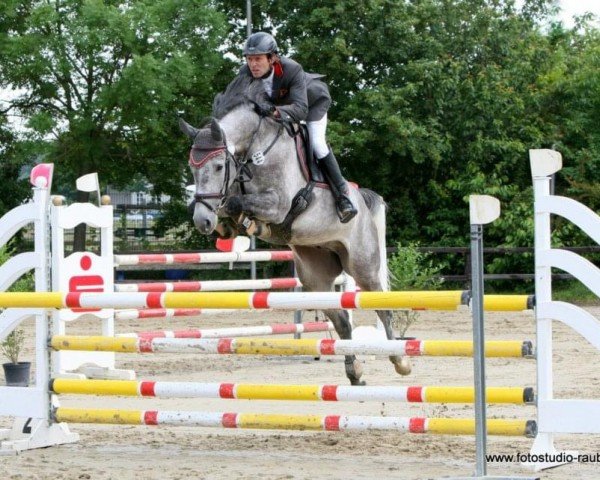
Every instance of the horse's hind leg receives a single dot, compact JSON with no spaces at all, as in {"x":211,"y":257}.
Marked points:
{"x":365,"y":271}
{"x":402,"y":365}
{"x":317,"y":269}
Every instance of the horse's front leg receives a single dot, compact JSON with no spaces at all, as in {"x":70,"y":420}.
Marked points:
{"x":264,"y":206}
{"x":226,"y":229}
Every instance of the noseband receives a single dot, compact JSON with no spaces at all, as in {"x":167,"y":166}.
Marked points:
{"x":197,"y":164}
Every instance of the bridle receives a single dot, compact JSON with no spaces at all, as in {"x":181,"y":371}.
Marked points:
{"x":212,"y":153}
{"x":242,"y":173}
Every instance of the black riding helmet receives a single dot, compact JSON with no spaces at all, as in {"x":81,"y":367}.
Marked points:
{"x":260,"y":43}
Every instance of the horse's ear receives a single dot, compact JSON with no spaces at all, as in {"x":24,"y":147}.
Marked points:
{"x":187,"y":128}
{"x":215,"y":131}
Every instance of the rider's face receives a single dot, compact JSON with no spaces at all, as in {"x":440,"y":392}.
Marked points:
{"x":259,"y":65}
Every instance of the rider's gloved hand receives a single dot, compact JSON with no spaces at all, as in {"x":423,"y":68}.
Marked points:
{"x":264,"y":109}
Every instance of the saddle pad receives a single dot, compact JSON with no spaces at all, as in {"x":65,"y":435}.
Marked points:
{"x":308,"y":164}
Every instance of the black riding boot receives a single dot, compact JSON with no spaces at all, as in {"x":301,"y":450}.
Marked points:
{"x":345,"y":209}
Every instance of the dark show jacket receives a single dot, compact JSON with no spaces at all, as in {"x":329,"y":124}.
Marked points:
{"x":297,"y":95}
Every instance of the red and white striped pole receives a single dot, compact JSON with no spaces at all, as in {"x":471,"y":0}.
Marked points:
{"x":209,"y":257}
{"x":273,"y":329}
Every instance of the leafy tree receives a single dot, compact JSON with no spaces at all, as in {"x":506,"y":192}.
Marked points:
{"x":433,"y":100}
{"x":104,"y":81}
{"x":411,"y":269}
{"x":14,"y":188}
{"x":573,"y":105}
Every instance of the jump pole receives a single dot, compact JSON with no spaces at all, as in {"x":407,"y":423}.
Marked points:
{"x":261,"y":330}
{"x":424,"y":300}
{"x":198,"y":258}
{"x":308,"y":346}
{"x":443,"y":426}
{"x":326,"y":393}
{"x":216,"y":285}
{"x":154,"y":313}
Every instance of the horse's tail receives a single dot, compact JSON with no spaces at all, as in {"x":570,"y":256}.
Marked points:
{"x":377,"y":207}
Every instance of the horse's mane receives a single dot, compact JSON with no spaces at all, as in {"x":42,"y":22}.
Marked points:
{"x":242,"y":90}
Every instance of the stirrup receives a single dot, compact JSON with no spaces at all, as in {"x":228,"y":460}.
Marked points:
{"x":345,"y":210}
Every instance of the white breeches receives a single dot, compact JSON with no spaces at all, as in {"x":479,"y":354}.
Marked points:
{"x":317,"y":130}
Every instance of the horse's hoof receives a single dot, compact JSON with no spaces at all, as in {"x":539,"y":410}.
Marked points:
{"x":354,"y":371}
{"x":403,"y":367}
{"x":355,"y":382}
{"x":358,"y":369}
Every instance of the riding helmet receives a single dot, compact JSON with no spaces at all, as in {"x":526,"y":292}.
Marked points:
{"x":260,"y":43}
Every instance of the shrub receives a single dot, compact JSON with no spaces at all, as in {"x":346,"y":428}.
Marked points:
{"x":411,"y":269}
{"x":12,"y":345}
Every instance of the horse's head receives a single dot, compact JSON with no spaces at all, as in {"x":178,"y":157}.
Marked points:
{"x":210,"y":163}
{"x":211,"y":158}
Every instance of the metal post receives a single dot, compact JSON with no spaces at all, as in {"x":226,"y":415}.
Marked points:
{"x":144,"y":219}
{"x":479,"y":348}
{"x":483,"y":209}
{"x":248,"y":17}
{"x":253,"y":264}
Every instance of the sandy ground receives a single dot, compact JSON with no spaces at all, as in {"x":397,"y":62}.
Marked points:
{"x":124,"y":452}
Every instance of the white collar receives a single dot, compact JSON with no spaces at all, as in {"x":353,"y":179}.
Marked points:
{"x":268,"y":82}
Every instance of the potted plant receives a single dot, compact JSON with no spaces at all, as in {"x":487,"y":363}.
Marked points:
{"x":402,"y":320}
{"x":411,"y":269}
{"x":15,"y":372}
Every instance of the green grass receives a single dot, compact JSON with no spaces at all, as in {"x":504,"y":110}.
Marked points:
{"x":573,"y":291}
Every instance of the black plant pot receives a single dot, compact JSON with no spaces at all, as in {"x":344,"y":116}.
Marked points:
{"x":17,"y":374}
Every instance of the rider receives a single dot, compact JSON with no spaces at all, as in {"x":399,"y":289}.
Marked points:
{"x":298,"y":96}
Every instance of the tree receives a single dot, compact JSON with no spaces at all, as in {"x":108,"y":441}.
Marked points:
{"x":433,"y":100}
{"x":14,"y":188}
{"x":104,"y":81}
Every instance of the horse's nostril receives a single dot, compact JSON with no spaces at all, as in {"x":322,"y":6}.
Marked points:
{"x":207,"y":224}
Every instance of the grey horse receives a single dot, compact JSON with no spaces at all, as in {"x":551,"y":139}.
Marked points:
{"x":245,"y":167}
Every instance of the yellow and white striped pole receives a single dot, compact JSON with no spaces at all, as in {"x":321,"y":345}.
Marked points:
{"x":443,"y":426}
{"x":327,"y":393}
{"x":309,"y":346}
{"x":508,"y":303}
{"x":443,"y":300}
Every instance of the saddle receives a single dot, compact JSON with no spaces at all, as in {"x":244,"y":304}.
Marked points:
{"x":308,"y":163}
{"x":313,"y":176}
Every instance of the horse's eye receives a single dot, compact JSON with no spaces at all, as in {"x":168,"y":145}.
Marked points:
{"x":219,"y":168}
